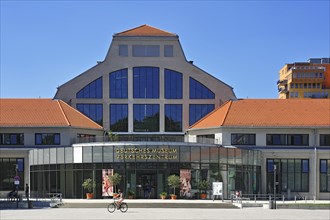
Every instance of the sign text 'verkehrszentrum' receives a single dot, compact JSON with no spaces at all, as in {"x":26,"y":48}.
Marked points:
{"x":165,"y":153}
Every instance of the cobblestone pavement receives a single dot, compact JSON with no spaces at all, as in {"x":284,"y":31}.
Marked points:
{"x":174,"y":214}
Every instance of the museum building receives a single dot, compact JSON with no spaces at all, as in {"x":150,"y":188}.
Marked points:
{"x":145,"y":112}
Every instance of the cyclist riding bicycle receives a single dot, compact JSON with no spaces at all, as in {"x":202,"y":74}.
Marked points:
{"x":120,"y":198}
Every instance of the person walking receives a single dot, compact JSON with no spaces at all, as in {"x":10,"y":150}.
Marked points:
{"x":27,"y":189}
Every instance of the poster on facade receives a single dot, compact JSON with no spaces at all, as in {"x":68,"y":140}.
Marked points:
{"x":217,"y":188}
{"x":107,"y":187}
{"x":185,"y":186}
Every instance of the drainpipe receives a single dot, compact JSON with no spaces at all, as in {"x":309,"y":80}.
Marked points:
{"x":315,"y":164}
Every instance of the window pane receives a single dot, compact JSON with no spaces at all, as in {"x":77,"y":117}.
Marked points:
{"x":118,"y":84}
{"x":305,"y":166}
{"x":119,"y":117}
{"x":92,"y":90}
{"x":168,"y":51}
{"x":173,"y":118}
{"x":93,"y":111}
{"x":146,"y":50}
{"x":184,"y":154}
{"x":123,"y":50}
{"x":323,"y":166}
{"x":243,"y":139}
{"x":324,"y":139}
{"x":173,"y":84}
{"x":198,"y":91}
{"x":97,"y":154}
{"x":146,"y":118}
{"x":107,"y":154}
{"x":197,"y":111}
{"x":87,"y":154}
{"x":146,"y":82}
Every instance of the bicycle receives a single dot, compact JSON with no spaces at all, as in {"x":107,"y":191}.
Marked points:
{"x":123,"y":207}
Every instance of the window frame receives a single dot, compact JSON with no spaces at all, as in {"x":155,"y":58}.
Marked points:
{"x":44,"y":137}
{"x":243,"y":135}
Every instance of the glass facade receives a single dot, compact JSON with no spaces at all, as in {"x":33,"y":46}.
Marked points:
{"x":198,"y":111}
{"x":292,"y":174}
{"x":119,"y":117}
{"x":118,"y":84}
{"x":138,"y":163}
{"x":9,"y":168}
{"x":173,"y":84}
{"x":146,"y":82}
{"x":173,"y":118}
{"x":324,"y":175}
{"x":198,"y":91}
{"x":92,"y":91}
{"x":93,"y":111}
{"x":146,"y":117}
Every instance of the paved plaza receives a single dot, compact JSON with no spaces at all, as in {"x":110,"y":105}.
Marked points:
{"x":147,"y":213}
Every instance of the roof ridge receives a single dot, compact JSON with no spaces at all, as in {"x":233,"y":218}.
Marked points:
{"x":62,"y":110}
{"x":80,"y":113}
{"x":224,"y":119}
{"x":123,"y":33}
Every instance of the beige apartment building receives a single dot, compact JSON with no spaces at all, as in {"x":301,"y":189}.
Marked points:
{"x":305,"y":79}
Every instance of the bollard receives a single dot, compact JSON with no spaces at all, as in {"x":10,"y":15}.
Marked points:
{"x":295,"y":199}
{"x":255,"y":199}
{"x":283,"y":199}
{"x":314,"y":198}
{"x":305,"y":199}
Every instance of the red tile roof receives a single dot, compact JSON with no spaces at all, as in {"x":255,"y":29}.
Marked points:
{"x":145,"y":30}
{"x":269,"y":113}
{"x":42,"y":113}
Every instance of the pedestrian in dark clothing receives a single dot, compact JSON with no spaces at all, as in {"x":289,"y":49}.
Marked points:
{"x":27,"y":188}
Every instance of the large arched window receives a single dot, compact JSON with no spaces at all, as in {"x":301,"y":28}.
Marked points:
{"x":92,"y":91}
{"x":118,"y":84}
{"x":199,"y":91}
{"x":119,"y":117}
{"x":173,"y":118}
{"x":173,"y":84}
{"x":93,"y":111}
{"x":198,"y":111}
{"x":146,"y":82}
{"x":146,"y":117}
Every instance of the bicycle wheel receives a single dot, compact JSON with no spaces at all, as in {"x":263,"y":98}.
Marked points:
{"x":123,"y":207}
{"x":111,"y":207}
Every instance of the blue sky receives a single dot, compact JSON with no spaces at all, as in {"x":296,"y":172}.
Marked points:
{"x":243,"y":43}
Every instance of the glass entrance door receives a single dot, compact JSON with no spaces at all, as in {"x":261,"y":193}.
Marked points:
{"x":146,"y":184}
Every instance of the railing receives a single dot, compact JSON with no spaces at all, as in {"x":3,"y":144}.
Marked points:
{"x":146,"y":138}
{"x":269,"y":197}
{"x":55,"y":199}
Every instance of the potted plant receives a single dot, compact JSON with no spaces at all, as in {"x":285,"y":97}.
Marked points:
{"x":89,"y":185}
{"x":130,"y":194}
{"x":173,"y":181}
{"x":203,"y":186}
{"x":112,"y":136}
{"x":163,"y":195}
{"x":115,"y":179}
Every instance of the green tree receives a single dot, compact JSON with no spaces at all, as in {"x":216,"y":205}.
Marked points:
{"x":115,"y":179}
{"x":173,"y":181}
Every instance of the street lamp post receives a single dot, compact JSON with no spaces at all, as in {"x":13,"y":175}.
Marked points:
{"x":274,"y":186}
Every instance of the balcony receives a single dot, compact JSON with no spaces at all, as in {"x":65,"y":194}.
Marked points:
{"x":283,"y":90}
{"x":282,"y":82}
{"x":307,"y":80}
